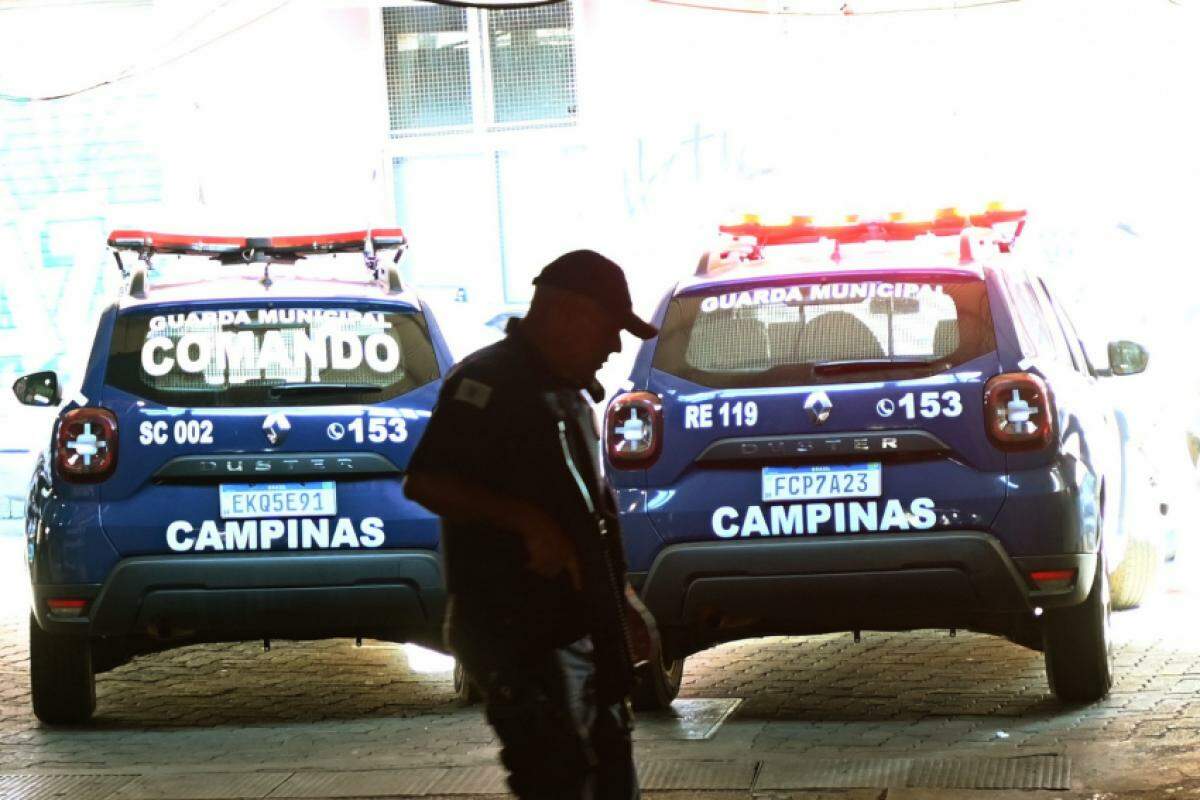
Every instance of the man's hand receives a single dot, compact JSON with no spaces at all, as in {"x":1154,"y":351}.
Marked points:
{"x":550,"y":551}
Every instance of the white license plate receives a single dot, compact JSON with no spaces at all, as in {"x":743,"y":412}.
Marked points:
{"x":253,"y":500}
{"x":822,"y":482}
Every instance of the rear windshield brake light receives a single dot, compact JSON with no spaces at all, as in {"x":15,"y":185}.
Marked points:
{"x":869,"y":364}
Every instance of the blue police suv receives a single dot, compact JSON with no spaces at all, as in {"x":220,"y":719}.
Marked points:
{"x":883,"y":424}
{"x":228,"y":469}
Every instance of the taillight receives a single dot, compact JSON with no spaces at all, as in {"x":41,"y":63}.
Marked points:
{"x":66,"y":606}
{"x":633,"y":429}
{"x":87,"y":445}
{"x":1019,"y":411}
{"x":1053,"y":580}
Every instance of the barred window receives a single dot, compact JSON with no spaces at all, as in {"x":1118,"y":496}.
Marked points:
{"x":533,"y":63}
{"x":428,"y":61}
{"x":450,"y":67}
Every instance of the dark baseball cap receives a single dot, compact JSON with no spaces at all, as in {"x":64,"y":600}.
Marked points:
{"x":588,"y":273}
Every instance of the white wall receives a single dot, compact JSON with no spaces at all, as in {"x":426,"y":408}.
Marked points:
{"x":280,"y":126}
{"x":1082,"y":111}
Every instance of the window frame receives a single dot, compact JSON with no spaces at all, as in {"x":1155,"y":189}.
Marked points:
{"x":492,"y":149}
{"x":481,"y":79}
{"x":478,"y":139}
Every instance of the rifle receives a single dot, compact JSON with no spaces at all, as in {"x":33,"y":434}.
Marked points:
{"x":635,"y":634}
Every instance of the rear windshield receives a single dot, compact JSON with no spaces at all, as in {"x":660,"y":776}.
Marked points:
{"x":271,"y":355}
{"x":801,"y":333}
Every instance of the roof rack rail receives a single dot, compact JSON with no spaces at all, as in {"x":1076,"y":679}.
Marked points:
{"x":233,"y":250}
{"x":974,"y":244}
{"x":736,"y":250}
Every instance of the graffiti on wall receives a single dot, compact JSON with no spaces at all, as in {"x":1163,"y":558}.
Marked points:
{"x":65,"y":168}
{"x":678,"y":171}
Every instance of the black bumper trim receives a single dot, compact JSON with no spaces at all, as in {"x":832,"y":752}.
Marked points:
{"x":232,"y":597}
{"x":706,"y":592}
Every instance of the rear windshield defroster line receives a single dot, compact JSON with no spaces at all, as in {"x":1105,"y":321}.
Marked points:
{"x":271,"y":355}
{"x":798,"y":332}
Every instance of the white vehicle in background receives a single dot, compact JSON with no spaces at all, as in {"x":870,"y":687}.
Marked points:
{"x":1161,"y":498}
{"x":1155,"y":412}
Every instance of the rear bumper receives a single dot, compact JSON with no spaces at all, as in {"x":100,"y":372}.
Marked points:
{"x":396,"y":594}
{"x":704,"y":593}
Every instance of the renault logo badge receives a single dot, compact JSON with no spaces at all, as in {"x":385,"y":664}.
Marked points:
{"x":819,"y":407}
{"x":276,"y":427}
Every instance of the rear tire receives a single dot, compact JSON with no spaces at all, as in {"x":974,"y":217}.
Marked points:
{"x":1079,"y":655}
{"x":62,"y":684}
{"x":464,"y":688}
{"x":1134,"y":576}
{"x":657,"y":684}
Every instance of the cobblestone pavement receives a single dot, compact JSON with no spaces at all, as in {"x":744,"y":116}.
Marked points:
{"x":385,"y":711}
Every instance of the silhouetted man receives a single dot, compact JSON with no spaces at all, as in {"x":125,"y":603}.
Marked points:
{"x":531,"y":546}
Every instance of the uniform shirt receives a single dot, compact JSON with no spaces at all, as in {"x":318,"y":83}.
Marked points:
{"x":495,"y":425}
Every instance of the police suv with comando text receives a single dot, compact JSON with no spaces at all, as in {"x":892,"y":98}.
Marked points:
{"x":876,"y":424}
{"x":228,"y":470}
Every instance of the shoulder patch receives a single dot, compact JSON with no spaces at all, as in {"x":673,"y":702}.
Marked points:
{"x":473,"y":392}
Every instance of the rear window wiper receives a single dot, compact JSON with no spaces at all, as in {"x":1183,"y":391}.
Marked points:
{"x":324,"y":388}
{"x":872,"y":364}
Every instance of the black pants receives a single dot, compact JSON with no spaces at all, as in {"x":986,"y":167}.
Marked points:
{"x":556,"y":741}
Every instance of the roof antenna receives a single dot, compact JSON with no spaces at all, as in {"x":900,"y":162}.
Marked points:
{"x":137,"y":281}
{"x":394,"y":284}
{"x":835,"y":250}
{"x":257,"y":250}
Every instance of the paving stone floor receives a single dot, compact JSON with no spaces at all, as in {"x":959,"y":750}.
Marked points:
{"x":234,"y":721}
